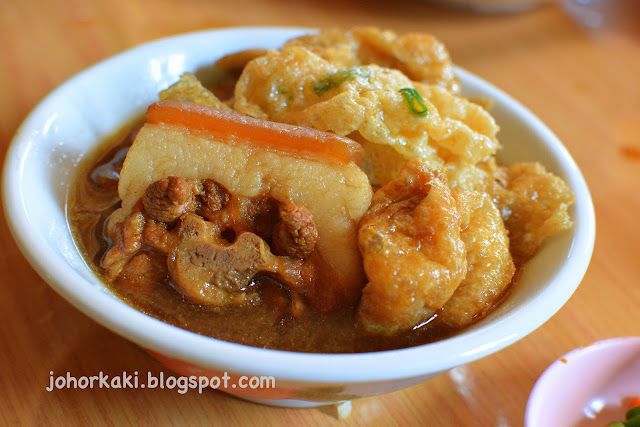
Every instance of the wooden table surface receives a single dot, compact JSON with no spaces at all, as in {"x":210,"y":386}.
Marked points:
{"x":583,"y":82}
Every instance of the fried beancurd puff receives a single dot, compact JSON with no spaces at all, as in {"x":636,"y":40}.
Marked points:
{"x":490,"y":267}
{"x":296,"y":86}
{"x":413,"y":254}
{"x":420,"y":56}
{"x":190,"y":89}
{"x":534,"y":205}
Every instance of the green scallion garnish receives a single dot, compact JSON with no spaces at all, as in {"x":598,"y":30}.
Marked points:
{"x":416,"y":104}
{"x":336,"y":79}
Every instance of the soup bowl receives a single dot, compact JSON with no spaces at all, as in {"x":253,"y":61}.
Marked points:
{"x":71,"y":121}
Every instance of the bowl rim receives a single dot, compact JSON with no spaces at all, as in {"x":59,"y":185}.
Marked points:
{"x":174,"y":342}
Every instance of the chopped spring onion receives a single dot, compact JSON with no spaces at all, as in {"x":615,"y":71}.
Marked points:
{"x":336,"y":79}
{"x":416,"y":104}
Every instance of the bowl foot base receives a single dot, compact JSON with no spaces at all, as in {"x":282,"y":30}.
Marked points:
{"x":286,"y":403}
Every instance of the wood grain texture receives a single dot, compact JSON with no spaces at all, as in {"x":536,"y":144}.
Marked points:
{"x":582,"y":82}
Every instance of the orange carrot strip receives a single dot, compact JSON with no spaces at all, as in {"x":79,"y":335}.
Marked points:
{"x":296,"y":140}
{"x":634,"y":402}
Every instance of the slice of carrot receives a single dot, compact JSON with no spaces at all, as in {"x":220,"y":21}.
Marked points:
{"x":230,"y":126}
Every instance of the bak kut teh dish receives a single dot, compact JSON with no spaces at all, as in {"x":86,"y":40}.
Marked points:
{"x":336,"y":195}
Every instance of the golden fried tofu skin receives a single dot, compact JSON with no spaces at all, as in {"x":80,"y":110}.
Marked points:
{"x":189,"y":88}
{"x":534,"y":205}
{"x":489,"y":264}
{"x":420,"y":56}
{"x":414,"y":256}
{"x":369,"y":104}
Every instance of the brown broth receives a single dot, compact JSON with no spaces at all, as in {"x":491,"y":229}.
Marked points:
{"x":94,"y":198}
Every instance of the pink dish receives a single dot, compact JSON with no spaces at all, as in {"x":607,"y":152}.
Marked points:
{"x":588,"y":386}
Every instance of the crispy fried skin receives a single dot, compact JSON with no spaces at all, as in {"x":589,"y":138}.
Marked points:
{"x":534,"y":205}
{"x":297,"y":86}
{"x":413,"y":254}
{"x":420,"y":56}
{"x":490,"y":267}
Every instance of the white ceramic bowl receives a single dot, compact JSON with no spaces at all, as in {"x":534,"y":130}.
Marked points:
{"x":587,"y":383}
{"x":64,"y":127}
